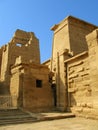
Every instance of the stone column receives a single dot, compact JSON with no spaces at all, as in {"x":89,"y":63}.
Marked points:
{"x":62,"y":81}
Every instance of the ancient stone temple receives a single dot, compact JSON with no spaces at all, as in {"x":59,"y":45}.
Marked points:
{"x":68,"y":81}
{"x":74,"y":62}
{"x":24,"y":81}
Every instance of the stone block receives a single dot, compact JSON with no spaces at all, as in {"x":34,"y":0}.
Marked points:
{"x":73,"y":76}
{"x":83,"y":104}
{"x":90,"y":105}
{"x":79,"y":109}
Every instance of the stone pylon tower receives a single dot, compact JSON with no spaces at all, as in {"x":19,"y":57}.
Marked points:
{"x":24,"y":45}
{"x":68,"y":41}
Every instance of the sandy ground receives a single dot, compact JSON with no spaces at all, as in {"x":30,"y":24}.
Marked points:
{"x":61,"y":124}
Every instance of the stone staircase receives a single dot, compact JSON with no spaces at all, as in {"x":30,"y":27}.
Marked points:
{"x":15,"y":116}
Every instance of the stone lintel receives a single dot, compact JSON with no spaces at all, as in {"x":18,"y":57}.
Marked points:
{"x":29,"y":65}
{"x":77,"y":56}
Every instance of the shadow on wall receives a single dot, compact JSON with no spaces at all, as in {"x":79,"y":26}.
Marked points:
{"x":71,"y":100}
{"x":4,"y":89}
{"x":63,"y":99}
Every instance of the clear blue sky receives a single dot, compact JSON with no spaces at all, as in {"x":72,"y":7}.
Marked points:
{"x":39,"y":16}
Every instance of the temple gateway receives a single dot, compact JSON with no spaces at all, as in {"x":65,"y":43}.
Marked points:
{"x":68,"y":81}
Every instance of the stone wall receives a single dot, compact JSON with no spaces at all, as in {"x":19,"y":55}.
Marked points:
{"x":82,"y":72}
{"x":92,"y":40}
{"x":78,"y":29}
{"x":15,"y":86}
{"x":60,"y":41}
{"x":70,"y":34}
{"x":47,"y":63}
{"x":30,"y":82}
{"x":79,"y":90}
{"x":4,"y":62}
{"x":23,"y":44}
{"x":68,"y":41}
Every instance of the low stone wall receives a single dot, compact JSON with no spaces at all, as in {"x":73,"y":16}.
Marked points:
{"x":83,"y":80}
{"x":81,"y":93}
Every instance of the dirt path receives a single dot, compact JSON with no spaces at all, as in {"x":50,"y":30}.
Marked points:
{"x":62,"y":124}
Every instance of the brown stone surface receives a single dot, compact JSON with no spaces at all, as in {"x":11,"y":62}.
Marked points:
{"x":22,"y":44}
{"x":23,"y":75}
{"x":74,"y":63}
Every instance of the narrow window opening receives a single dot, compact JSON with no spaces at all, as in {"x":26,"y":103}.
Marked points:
{"x":39,"y":83}
{"x":19,"y":44}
